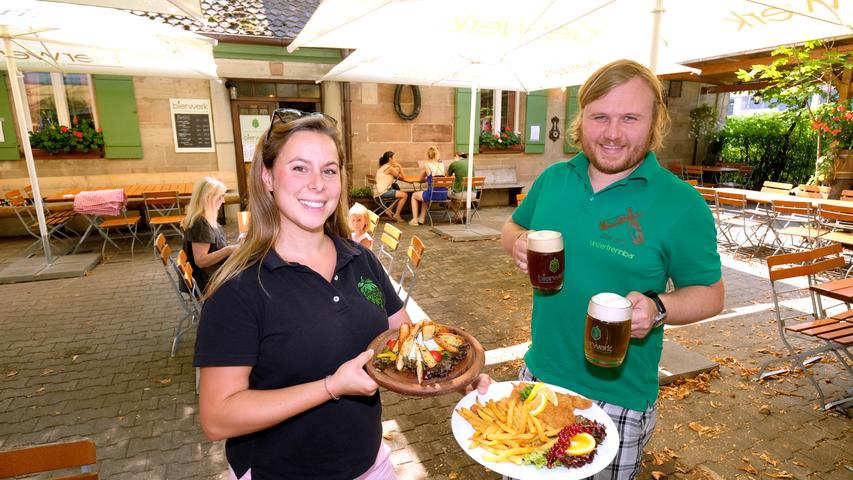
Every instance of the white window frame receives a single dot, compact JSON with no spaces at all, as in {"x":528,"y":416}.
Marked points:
{"x":497,"y":100}
{"x":63,"y":115}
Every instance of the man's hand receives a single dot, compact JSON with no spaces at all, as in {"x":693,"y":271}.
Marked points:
{"x":643,"y":314}
{"x":519,"y":251}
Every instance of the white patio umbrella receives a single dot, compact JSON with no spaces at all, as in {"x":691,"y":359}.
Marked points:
{"x":59,"y":37}
{"x":187,"y":8}
{"x":547,"y":43}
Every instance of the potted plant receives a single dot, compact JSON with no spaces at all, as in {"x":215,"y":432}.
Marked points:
{"x":833,"y":122}
{"x":362,"y":195}
{"x":501,"y":140}
{"x":58,"y":140}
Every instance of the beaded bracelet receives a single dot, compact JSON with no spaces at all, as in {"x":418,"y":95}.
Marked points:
{"x":326,"y":385}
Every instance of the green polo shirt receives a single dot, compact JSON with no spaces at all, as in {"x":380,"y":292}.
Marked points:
{"x":631,"y":236}
{"x":459,"y":169}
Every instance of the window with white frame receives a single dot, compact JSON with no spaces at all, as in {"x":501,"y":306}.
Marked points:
{"x":500,"y":110}
{"x":56,"y":98}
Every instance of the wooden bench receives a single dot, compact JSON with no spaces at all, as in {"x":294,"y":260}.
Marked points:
{"x":503,"y":178}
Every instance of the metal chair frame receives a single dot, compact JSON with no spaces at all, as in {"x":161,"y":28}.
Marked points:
{"x":434,"y":182}
{"x":162,"y":209}
{"x":383,"y":205}
{"x":389,"y":241}
{"x":26,"y":213}
{"x":477,"y":184}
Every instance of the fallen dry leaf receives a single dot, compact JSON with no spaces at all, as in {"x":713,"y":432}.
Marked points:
{"x":11,"y":373}
{"x":714,"y":404}
{"x":677,"y":427}
{"x":748,"y":468}
{"x":453,"y":475}
{"x":764,"y":409}
{"x":800,"y":464}
{"x":658,"y":475}
{"x":507,"y":296}
{"x":764,"y":456}
{"x":164,"y":381}
{"x":388,"y":435}
{"x":779,"y":474}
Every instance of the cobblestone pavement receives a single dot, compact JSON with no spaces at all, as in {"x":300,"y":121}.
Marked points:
{"x":89,"y":357}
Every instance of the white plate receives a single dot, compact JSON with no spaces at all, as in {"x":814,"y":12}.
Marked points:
{"x":463,"y":431}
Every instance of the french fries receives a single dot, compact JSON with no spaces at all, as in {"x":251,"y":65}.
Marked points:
{"x":506,"y":429}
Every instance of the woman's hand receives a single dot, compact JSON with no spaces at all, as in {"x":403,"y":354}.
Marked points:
{"x":351,"y":379}
{"x":481,"y":384}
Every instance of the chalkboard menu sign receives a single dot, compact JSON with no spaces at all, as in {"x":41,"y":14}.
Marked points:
{"x":192,"y":125}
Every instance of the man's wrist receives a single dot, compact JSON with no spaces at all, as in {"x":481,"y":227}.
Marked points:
{"x":661,"y":308}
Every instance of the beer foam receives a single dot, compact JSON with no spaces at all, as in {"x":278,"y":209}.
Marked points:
{"x":610,"y":307}
{"x":545,"y":241}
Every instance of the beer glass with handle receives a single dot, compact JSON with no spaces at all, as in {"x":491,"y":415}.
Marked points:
{"x":545,"y":260}
{"x":608,"y":329}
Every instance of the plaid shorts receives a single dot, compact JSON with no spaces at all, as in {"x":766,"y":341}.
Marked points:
{"x":635,"y":430}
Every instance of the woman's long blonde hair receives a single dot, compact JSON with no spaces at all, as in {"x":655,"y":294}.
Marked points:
{"x":266,"y":221}
{"x":204,"y":190}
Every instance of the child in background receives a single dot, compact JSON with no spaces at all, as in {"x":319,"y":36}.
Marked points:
{"x":359,"y":222}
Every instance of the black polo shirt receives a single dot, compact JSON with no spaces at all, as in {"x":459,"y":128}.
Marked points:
{"x":292,"y":327}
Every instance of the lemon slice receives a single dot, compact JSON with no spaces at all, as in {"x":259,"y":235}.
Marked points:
{"x":548,"y":394}
{"x":581,"y":444}
{"x":533,"y":391}
{"x":543,"y":402}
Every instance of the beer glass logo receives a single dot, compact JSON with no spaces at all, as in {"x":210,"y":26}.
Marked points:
{"x":554,"y":265}
{"x":596,"y":333}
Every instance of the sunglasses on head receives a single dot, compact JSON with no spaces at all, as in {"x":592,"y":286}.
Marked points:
{"x":287,"y":115}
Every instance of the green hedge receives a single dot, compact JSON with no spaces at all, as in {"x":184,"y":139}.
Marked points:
{"x":779,"y":146}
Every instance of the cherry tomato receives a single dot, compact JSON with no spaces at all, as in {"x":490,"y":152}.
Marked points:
{"x":390,"y":343}
{"x":436,"y":355}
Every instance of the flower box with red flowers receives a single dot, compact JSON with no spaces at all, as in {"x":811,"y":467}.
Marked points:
{"x":501,"y":140}
{"x":834,"y":120}
{"x":58,"y":140}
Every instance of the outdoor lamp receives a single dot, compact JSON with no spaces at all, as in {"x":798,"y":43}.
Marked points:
{"x":756,"y":98}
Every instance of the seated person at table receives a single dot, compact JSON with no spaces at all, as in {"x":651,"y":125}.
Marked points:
{"x":204,"y":240}
{"x":433,"y":167}
{"x":359,"y":223}
{"x":386,"y":185}
{"x":459,"y":194}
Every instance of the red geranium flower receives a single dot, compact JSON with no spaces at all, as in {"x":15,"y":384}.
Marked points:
{"x":63,"y":129}
{"x":78,"y":134}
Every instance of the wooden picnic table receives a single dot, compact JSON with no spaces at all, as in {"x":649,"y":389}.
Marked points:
{"x":767,"y":197}
{"x":134,"y":191}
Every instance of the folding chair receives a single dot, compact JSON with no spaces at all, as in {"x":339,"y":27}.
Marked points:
{"x":812,"y":191}
{"x":26,"y":213}
{"x":374,"y":220}
{"x":162,"y":209}
{"x":175,"y":277}
{"x":676,"y":168}
{"x":796,"y":219}
{"x":388,"y":246}
{"x":434,"y":188}
{"x":51,"y":458}
{"x":694,"y":172}
{"x":776,"y":187}
{"x":837,"y":222}
{"x":825,"y":334}
{"x":847,"y":195}
{"x":733,"y":217}
{"x":414,"y":254}
{"x":384,"y":205}
{"x":692,"y":182}
{"x":476,"y":193}
{"x":244,"y":218}
{"x":519,"y":197}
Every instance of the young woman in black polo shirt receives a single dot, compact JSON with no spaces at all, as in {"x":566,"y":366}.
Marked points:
{"x":283,"y":331}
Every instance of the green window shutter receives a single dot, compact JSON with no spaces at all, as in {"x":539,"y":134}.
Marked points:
{"x":572,"y":109}
{"x":463,"y":119}
{"x":8,"y":147}
{"x":117,"y":113}
{"x":537,"y":111}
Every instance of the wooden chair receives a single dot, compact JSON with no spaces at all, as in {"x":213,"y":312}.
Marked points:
{"x":847,"y":195}
{"x":734,"y":218}
{"x":414,"y":254}
{"x":174,"y":273}
{"x":436,"y":184}
{"x":55,"y":223}
{"x":825,"y":334}
{"x":519,"y":197}
{"x":776,"y":187}
{"x":676,"y":168}
{"x":796,"y":219}
{"x":244,"y":218}
{"x":374,"y":220}
{"x":812,"y":191}
{"x":692,"y":182}
{"x":476,"y":193}
{"x":385,"y":206}
{"x":390,"y":240}
{"x":51,"y":458}
{"x":162,"y":209}
{"x":694,"y":172}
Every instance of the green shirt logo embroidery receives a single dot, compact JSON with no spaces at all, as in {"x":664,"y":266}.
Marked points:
{"x":554,"y":265}
{"x":255,"y":123}
{"x":596,"y":333}
{"x":371,"y":292}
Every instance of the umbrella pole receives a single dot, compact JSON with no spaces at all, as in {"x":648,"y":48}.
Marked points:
{"x":471,"y":131}
{"x":656,"y":19}
{"x":18,"y":97}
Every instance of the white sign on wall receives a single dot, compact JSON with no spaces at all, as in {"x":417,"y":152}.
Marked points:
{"x":192,"y":125}
{"x":251,"y":129}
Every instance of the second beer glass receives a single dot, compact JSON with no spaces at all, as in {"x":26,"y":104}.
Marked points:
{"x":608,"y":329}
{"x":545,"y":260}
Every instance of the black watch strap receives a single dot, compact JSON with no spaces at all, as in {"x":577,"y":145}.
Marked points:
{"x":661,"y":308}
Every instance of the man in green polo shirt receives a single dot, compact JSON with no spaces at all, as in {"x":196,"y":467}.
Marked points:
{"x":459,"y":196}
{"x":628,"y":226}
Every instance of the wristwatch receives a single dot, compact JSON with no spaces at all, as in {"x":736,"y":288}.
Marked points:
{"x":661,"y":308}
